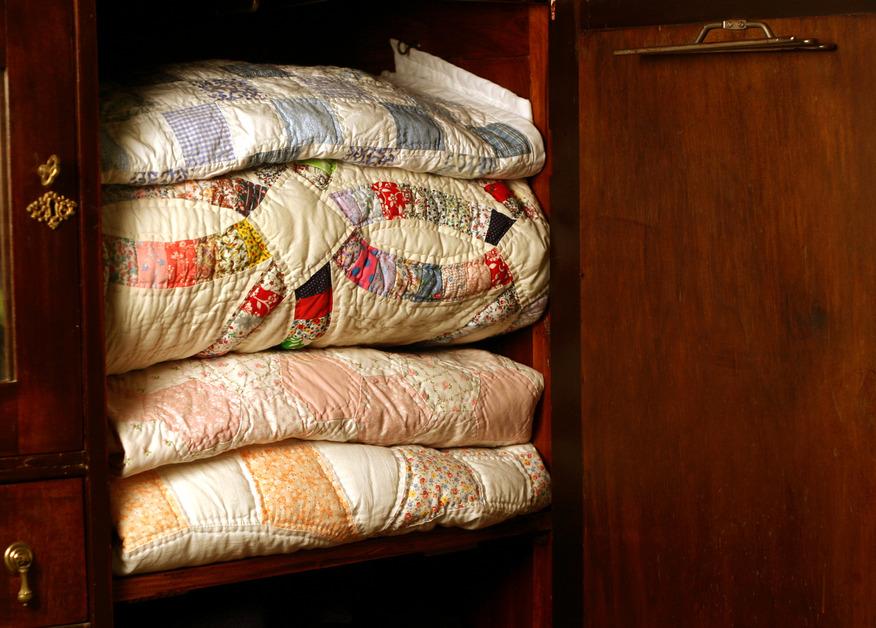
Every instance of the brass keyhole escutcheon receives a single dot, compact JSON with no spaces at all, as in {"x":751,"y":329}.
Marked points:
{"x":18,"y":558}
{"x":52,"y":208}
{"x":49,"y":171}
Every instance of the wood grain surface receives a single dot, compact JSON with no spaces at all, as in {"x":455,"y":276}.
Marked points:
{"x":42,"y":410}
{"x":619,"y":13}
{"x":729,"y":364}
{"x":48,"y":516}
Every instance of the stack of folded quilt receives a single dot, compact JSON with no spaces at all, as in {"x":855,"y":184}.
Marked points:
{"x":262,"y":224}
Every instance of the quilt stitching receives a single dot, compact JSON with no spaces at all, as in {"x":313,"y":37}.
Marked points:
{"x":144,"y":508}
{"x":262,"y":299}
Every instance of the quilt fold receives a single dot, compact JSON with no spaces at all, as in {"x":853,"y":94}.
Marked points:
{"x":182,"y":411}
{"x":296,"y":495}
{"x":203,"y":119}
{"x":317,"y":253}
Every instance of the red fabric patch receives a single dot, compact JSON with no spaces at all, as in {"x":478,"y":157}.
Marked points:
{"x":499,"y":191}
{"x":362,"y":271}
{"x":314,"y":307}
{"x":260,"y":301}
{"x":500,"y":274}
{"x":182,"y":264}
{"x":392,"y":199}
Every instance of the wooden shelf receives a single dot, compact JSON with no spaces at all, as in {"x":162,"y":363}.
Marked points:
{"x":440,"y":540}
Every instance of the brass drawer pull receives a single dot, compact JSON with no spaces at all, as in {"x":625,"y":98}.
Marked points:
{"x":18,"y":558}
{"x":768,"y":43}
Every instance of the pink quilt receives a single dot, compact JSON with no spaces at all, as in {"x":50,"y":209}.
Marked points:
{"x":190,"y":409}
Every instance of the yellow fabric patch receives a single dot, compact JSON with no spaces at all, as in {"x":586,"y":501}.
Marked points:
{"x":144,"y":510}
{"x":256,"y":250}
{"x":296,"y":493}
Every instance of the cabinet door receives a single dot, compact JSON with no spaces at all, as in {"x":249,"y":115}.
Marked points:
{"x":48,"y":517}
{"x":728,"y":239}
{"x":41,"y":401}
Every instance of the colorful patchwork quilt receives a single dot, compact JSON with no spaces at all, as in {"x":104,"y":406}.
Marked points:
{"x":202,"y":119}
{"x":317,"y":253}
{"x":181,"y":411}
{"x":282,"y":498}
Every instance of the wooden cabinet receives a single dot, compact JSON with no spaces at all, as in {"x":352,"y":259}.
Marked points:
{"x":709,"y":347}
{"x":51,"y":415}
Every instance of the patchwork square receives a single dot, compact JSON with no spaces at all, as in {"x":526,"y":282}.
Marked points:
{"x":506,"y":141}
{"x":230,"y":89}
{"x":335,"y":87}
{"x":112,"y":156}
{"x":252,"y":70}
{"x":202,"y":133}
{"x":320,"y":282}
{"x":415,"y":129}
{"x":145,"y":510}
{"x":294,"y":492}
{"x":308,"y":121}
{"x":499,"y":225}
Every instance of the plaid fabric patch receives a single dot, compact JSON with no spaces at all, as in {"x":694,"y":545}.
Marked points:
{"x":415,"y":129}
{"x":252,"y":70}
{"x":202,"y":133}
{"x":506,"y":141}
{"x":308,"y":121}
{"x":112,"y":156}
{"x":335,"y":87}
{"x":230,"y":89}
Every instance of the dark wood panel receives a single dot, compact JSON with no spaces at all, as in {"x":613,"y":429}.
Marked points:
{"x":43,"y":466}
{"x":564,"y":329}
{"x":729,"y":366}
{"x":617,"y":13}
{"x":46,"y":399}
{"x":99,"y":529}
{"x":325,"y":33}
{"x":48,"y":517}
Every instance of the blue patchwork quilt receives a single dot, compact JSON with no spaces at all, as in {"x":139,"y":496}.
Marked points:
{"x":199,"y":120}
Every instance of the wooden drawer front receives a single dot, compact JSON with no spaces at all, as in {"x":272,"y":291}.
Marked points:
{"x":48,"y":516}
{"x":44,"y":401}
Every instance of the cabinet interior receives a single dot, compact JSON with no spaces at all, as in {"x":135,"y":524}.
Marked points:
{"x":508,"y":564}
